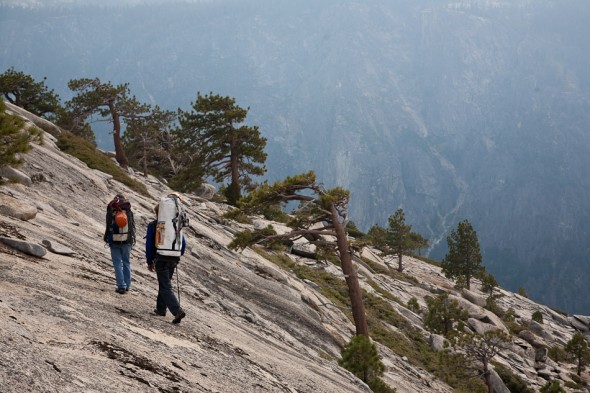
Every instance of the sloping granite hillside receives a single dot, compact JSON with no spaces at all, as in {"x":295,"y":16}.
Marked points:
{"x":250,"y":327}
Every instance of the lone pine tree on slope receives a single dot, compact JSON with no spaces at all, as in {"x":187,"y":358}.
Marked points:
{"x":214,"y":135}
{"x":322,"y":215}
{"x":464,"y":257}
{"x":114,"y":102}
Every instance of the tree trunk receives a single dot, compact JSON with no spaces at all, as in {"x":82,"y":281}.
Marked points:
{"x":234,"y":188}
{"x":400,"y":267}
{"x":486,"y":375}
{"x":354,"y":289}
{"x":119,"y":153}
{"x":145,"y":169}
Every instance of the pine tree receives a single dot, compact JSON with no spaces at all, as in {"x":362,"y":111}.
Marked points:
{"x":398,"y":239}
{"x":464,"y":257}
{"x":483,"y":348}
{"x":442,"y":314}
{"x":22,"y":90}
{"x":114,"y":103}
{"x":578,"y":349}
{"x":149,"y":144}
{"x":321,"y":215}
{"x":361,"y":358}
{"x":214,"y":135}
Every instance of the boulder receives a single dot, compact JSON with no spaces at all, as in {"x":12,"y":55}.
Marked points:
{"x":474,"y":297}
{"x":16,"y":175}
{"x":578,"y":325}
{"x":480,"y":327}
{"x":206,"y":191}
{"x":530,"y":338}
{"x":23,"y":246}
{"x":57,"y":248}
{"x":437,"y":342}
{"x":497,"y":383}
{"x":16,"y":208}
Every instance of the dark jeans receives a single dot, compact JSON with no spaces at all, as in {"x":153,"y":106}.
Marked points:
{"x":166,"y":298}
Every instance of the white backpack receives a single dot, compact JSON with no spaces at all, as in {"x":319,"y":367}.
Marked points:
{"x":171,"y":220}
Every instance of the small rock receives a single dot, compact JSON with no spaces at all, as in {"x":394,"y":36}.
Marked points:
{"x":15,"y":174}
{"x":17,"y":208}
{"x":57,"y":248}
{"x":26,"y":247}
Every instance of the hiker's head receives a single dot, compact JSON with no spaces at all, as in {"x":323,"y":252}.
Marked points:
{"x":120,"y":196}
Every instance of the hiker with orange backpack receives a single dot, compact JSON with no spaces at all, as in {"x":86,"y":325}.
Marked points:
{"x":120,"y":236}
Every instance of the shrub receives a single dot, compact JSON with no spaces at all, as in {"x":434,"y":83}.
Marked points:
{"x":509,"y":315}
{"x":557,"y":354}
{"x":537,"y":316}
{"x":442,"y":314}
{"x":14,"y":140}
{"x":361,"y":358}
{"x":413,"y":305}
{"x":512,"y":381}
{"x":522,"y":292}
{"x":552,"y":387}
{"x":86,"y":152}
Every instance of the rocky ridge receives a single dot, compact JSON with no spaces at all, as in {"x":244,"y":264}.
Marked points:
{"x":250,"y":326}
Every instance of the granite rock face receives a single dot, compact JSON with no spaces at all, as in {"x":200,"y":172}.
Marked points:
{"x":250,"y":325}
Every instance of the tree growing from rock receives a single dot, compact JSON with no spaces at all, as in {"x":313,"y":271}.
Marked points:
{"x":442,"y":314}
{"x":22,"y":90}
{"x":577,"y":348}
{"x":148,"y":142}
{"x":213,"y":134}
{"x":111,"y":103}
{"x":320,"y":217}
{"x":14,"y":140}
{"x":361,"y":358}
{"x":482,"y":348}
{"x":418,"y":242}
{"x":464,"y":256}
{"x":397,"y":239}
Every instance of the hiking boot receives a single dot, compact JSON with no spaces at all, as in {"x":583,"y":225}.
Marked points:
{"x":162,"y":314}
{"x":179,"y":315}
{"x":120,"y":290}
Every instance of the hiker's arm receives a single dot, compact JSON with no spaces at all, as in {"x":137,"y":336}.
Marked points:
{"x":149,"y":244}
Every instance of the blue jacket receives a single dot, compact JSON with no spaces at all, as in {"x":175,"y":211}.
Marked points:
{"x":150,"y":243}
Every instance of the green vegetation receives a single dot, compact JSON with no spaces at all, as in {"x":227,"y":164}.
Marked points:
{"x":552,"y":387}
{"x":114,"y":103}
{"x":512,"y":381}
{"x":22,"y":90}
{"x":361,"y":358}
{"x":14,"y":139}
{"x":353,"y":230}
{"x":413,"y":305}
{"x":397,"y":239}
{"x":522,"y":292}
{"x":149,"y":144}
{"x":450,"y":367}
{"x":443,"y":314}
{"x":87,"y":152}
{"x":558,"y":354}
{"x":537,"y":316}
{"x":464,"y":256}
{"x":213,"y":133}
{"x":316,"y":204}
{"x":482,"y":348}
{"x":578,"y":351}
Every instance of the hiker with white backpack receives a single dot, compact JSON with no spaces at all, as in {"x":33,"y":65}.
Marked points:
{"x":120,"y":236}
{"x":164,"y":246}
